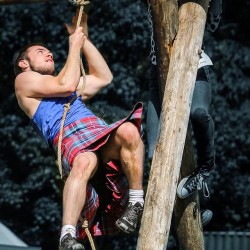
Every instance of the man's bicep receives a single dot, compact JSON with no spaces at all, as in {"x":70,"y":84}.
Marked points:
{"x":36,"y":85}
{"x":91,"y":86}
{"x":31,"y":84}
{"x":25,"y":83}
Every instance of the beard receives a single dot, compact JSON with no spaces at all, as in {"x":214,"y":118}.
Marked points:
{"x":43,"y":70}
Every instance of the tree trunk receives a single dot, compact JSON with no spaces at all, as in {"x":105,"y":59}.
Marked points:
{"x":187,"y":221}
{"x":177,"y":99}
{"x":165,"y":25}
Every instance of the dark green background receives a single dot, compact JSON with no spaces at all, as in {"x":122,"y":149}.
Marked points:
{"x":30,"y":187}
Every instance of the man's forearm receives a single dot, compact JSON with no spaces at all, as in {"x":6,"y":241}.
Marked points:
{"x":70,"y":73}
{"x":96,"y":63}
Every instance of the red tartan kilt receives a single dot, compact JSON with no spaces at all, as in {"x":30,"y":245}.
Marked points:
{"x":89,"y":134}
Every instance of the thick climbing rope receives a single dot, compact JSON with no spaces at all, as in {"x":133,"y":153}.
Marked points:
{"x":67,"y":105}
{"x":84,"y":222}
{"x":85,"y":226}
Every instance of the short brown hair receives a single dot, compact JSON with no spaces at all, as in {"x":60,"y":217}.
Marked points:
{"x":21,"y":54}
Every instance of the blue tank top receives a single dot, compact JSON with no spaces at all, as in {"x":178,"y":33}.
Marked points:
{"x":48,"y":116}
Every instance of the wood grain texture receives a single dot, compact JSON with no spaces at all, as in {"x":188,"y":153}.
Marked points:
{"x":165,"y":169}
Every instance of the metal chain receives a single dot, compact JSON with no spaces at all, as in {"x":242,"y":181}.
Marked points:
{"x":152,"y":55}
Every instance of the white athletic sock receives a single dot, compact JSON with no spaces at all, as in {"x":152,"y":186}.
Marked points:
{"x":136,"y":196}
{"x":68,"y":229}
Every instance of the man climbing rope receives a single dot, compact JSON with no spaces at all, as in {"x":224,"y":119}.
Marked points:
{"x":92,"y":152}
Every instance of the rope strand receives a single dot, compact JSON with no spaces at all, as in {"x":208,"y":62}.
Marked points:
{"x":67,"y":105}
{"x":85,"y":226}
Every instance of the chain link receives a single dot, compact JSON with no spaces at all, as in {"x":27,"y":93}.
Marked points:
{"x":152,"y":55}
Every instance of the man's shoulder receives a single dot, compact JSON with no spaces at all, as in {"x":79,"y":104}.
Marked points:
{"x":27,"y":74}
{"x":24,"y":78}
{"x":22,"y":90}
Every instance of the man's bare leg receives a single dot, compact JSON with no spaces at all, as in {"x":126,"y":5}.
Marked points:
{"x":74,"y":193}
{"x":125,"y":144}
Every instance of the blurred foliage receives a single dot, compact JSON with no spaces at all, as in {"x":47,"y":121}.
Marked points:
{"x":30,"y":187}
{"x":230,"y":183}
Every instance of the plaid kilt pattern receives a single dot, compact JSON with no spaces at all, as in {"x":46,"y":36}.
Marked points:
{"x":109,"y":192}
{"x":104,"y":206}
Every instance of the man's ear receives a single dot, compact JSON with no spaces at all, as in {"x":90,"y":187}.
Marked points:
{"x":24,"y":64}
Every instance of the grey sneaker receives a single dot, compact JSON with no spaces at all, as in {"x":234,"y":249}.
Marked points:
{"x":70,"y":243}
{"x":195,"y":181}
{"x":131,"y":218}
{"x":206,"y":216}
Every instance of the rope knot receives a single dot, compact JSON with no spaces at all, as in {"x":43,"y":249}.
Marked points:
{"x":67,"y":106}
{"x":79,"y":2}
{"x":85,"y":224}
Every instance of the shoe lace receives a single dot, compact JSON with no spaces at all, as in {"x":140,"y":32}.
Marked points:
{"x":199,"y":182}
{"x":205,"y":190}
{"x":132,"y":213}
{"x":70,"y":241}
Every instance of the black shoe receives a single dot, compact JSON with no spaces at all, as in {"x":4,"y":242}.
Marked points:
{"x":206,"y":216}
{"x":130,"y":219}
{"x":70,"y":243}
{"x":195,"y":181}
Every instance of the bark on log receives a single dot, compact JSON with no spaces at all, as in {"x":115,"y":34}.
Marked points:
{"x":165,"y":23}
{"x":167,"y":158}
{"x":187,"y":221}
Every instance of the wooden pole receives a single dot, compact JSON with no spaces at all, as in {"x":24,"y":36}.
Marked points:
{"x":165,"y":24}
{"x":177,"y":99}
{"x":186,"y":212}
{"x":187,"y":221}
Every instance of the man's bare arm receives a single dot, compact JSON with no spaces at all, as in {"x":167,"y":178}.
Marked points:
{"x":99,"y":73}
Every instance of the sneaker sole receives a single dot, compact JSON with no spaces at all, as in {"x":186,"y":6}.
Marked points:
{"x":124,"y":226}
{"x":209,"y":215}
{"x":179,"y":189}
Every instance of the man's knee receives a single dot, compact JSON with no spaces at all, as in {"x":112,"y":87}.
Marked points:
{"x":199,"y":114}
{"x":84,"y":166}
{"x":128,"y":133}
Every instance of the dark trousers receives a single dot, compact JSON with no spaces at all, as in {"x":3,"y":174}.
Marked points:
{"x":202,"y":122}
